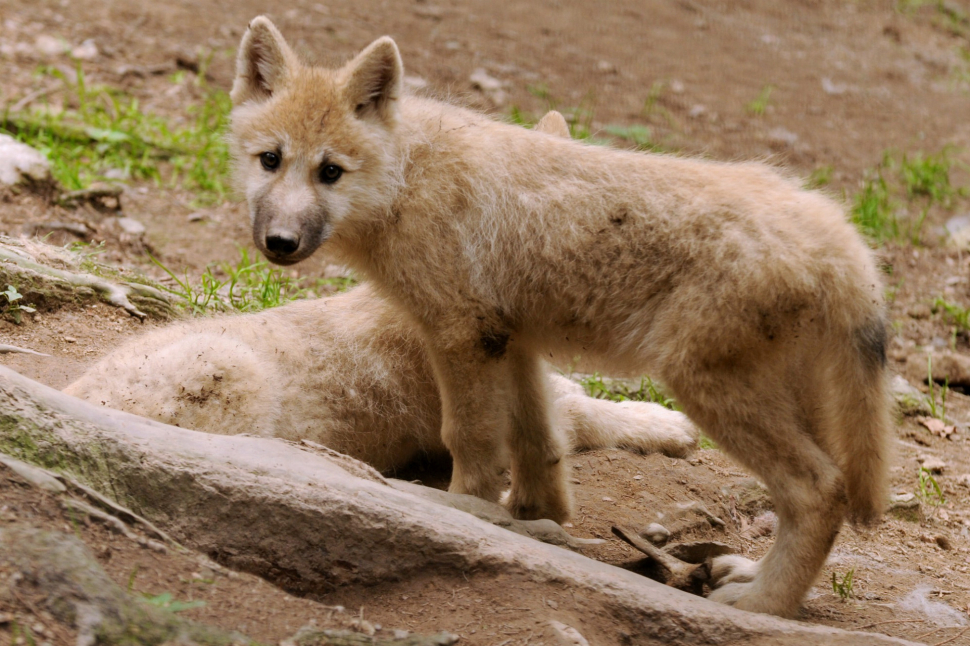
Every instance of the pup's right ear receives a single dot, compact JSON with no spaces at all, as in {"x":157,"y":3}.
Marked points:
{"x":554,"y":124}
{"x":262,"y":62}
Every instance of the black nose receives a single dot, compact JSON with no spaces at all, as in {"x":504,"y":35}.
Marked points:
{"x":282,"y":243}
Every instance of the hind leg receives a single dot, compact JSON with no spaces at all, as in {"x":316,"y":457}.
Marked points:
{"x":806,"y":485}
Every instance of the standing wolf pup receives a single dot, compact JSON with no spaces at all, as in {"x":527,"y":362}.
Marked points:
{"x":754,"y":301}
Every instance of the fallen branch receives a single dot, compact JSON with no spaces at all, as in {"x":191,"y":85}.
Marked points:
{"x":674,"y":572}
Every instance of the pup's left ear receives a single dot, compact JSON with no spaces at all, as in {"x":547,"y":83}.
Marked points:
{"x":371,"y":82}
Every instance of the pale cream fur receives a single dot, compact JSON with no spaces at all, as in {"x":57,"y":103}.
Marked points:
{"x":348,"y":372}
{"x":754,"y":301}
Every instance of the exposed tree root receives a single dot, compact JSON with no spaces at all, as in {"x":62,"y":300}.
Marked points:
{"x":31,"y":268}
{"x":12,"y":349}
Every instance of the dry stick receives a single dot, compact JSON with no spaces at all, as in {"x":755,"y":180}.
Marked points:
{"x":30,"y":98}
{"x":954,"y":638}
{"x":6,"y":349}
{"x":892,"y":621}
{"x":935,"y":630}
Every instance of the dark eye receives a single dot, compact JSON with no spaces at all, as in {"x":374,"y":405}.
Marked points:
{"x":270,"y":161}
{"x":330,"y":173}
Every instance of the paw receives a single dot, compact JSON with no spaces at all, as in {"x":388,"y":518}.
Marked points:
{"x":732,"y":569}
{"x":552,"y":502}
{"x":479,"y":485}
{"x":746,"y":596}
{"x":730,"y":594}
{"x":683,"y":438}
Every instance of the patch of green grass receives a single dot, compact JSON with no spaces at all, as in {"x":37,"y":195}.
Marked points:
{"x":14,"y":307}
{"x":639,"y":135}
{"x":648,"y":391}
{"x":820,"y":177}
{"x":872,"y":209}
{"x":953,"y":313}
{"x":912,"y":183}
{"x":842,"y":586}
{"x":166,"y":601}
{"x":248,"y":285}
{"x":760,"y":105}
{"x":928,"y":489}
{"x":928,"y":176}
{"x":102,"y":129}
{"x":706,"y":443}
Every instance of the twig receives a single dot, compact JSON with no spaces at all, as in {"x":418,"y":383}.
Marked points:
{"x":954,"y":638}
{"x":7,"y":349}
{"x":30,"y":98}
{"x":891,"y":621}
{"x":89,"y":194}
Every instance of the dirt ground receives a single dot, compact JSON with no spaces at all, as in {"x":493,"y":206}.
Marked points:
{"x":849,"y":81}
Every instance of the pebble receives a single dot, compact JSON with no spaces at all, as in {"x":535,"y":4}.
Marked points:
{"x":607,"y":499}
{"x":19,"y":162}
{"x":130,"y":226}
{"x":86,"y":51}
{"x":567,"y":635}
{"x":933,"y":464}
{"x":656,"y":533}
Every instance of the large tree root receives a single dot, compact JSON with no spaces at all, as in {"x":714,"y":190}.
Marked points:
{"x":47,"y":276}
{"x":300,"y":519}
{"x":76,"y":591}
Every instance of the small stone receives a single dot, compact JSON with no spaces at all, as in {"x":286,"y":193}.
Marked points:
{"x":606,"y":67}
{"x":567,"y":635}
{"x":400,"y":634}
{"x":656,"y":533}
{"x":19,"y":162}
{"x":70,"y":339}
{"x":782,"y":136}
{"x":552,"y":604}
{"x":198,"y":216}
{"x":86,"y":51}
{"x":933,"y":464}
{"x":677,"y":86}
{"x":696,"y":110}
{"x":963,"y":479}
{"x":131,"y":227}
{"x":49,"y":45}
{"x":489,"y":86}
{"x":830,"y":87}
{"x":415,"y":83}
{"x":607,"y":499}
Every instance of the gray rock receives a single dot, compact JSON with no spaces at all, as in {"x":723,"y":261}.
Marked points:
{"x":131,"y":227}
{"x":909,"y":400}
{"x":656,"y":534}
{"x":567,"y":635}
{"x":19,"y":163}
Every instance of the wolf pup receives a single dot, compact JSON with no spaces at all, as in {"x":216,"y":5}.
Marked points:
{"x":754,"y":301}
{"x":348,"y":372}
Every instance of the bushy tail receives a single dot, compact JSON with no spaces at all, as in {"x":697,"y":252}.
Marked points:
{"x":859,"y":427}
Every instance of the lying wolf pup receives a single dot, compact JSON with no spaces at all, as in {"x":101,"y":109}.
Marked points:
{"x":347,"y":372}
{"x":754,"y":301}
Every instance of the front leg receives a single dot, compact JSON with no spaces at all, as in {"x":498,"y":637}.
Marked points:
{"x":475,"y":416}
{"x":539,"y":484}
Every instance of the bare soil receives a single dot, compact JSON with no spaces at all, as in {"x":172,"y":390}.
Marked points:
{"x":850,"y":81}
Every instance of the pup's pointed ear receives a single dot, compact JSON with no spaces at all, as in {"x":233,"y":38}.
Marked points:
{"x":372,"y":81}
{"x":553,"y":123}
{"x":262,"y":63}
